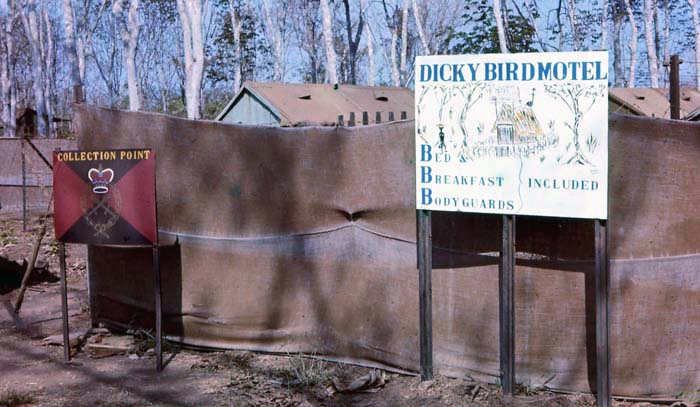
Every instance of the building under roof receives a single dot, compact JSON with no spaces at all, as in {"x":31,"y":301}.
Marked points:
{"x":652,"y":102}
{"x":284,"y":104}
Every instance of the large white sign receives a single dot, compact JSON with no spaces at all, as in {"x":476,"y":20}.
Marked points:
{"x":523,"y":134}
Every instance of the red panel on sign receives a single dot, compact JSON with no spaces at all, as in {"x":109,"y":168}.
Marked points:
{"x":105,"y":197}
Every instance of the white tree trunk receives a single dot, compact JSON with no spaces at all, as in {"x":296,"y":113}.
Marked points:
{"x":48,"y":51}
{"x":696,"y":26}
{"x":191,"y":16}
{"x":274,"y":37}
{"x":571,"y":13}
{"x":370,"y":45}
{"x":31,"y":29}
{"x":499,"y":26}
{"x":604,"y":26}
{"x":667,"y":31}
{"x":419,"y":26}
{"x":633,"y":44}
{"x":236,"y":25}
{"x":6,"y":69}
{"x":395,"y":73}
{"x":71,"y":50}
{"x":129,"y":28}
{"x":370,"y":56}
{"x":328,"y":41}
{"x":404,"y":40}
{"x":651,"y":49}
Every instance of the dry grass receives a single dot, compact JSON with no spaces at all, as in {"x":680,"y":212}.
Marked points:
{"x":13,"y":398}
{"x":307,"y":371}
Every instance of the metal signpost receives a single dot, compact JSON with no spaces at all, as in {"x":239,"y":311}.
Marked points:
{"x":106,"y":197}
{"x":513,"y":134}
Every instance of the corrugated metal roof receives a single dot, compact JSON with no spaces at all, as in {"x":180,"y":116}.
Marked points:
{"x":321,"y":104}
{"x":653,"y":102}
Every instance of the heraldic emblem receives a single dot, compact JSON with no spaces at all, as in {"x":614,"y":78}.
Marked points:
{"x":105,"y":197}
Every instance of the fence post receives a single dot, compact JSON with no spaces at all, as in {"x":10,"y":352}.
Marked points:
{"x":24,"y":184}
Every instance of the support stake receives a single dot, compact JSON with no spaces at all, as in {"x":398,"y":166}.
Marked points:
{"x":602,"y":329}
{"x":64,"y":301}
{"x":506,"y":283}
{"x":159,"y":310}
{"x":425,"y":290}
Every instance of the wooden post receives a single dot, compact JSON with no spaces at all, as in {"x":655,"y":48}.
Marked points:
{"x":78,"y":95}
{"x":378,"y":117}
{"x":602,"y":295}
{"x":506,"y":283}
{"x":64,"y":301}
{"x":425,"y":290}
{"x":341,"y":120}
{"x":365,"y":118}
{"x":159,"y":310}
{"x":675,"y":90}
{"x":351,"y":121}
{"x":404,"y":116}
{"x":391,"y":116}
{"x":24,"y":184}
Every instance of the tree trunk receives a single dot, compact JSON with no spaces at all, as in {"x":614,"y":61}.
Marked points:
{"x":31,"y":29}
{"x":667,"y":32}
{"x":633,"y":44}
{"x":328,"y":42}
{"x":129,"y":28}
{"x":651,"y":48}
{"x":6,"y":68}
{"x":419,"y":26}
{"x":696,"y":26}
{"x":353,"y":43}
{"x":604,"y":26}
{"x":617,"y":50}
{"x":370,"y":56}
{"x":71,"y":50}
{"x":236,"y":25}
{"x":404,"y":40}
{"x":560,"y":26}
{"x":571,"y":13}
{"x":48,"y":51}
{"x":499,"y":26}
{"x":275,"y":39}
{"x":190,"y":12}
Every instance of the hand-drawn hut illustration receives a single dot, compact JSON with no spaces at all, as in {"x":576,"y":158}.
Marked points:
{"x":516,"y":130}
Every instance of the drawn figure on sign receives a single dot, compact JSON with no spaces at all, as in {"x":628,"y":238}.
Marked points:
{"x":441,"y":135}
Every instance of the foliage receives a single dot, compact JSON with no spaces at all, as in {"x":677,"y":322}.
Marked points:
{"x":255,"y":51}
{"x":479,"y":34}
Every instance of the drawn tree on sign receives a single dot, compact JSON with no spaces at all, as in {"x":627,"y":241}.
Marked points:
{"x":471,"y":92}
{"x":579,"y":99}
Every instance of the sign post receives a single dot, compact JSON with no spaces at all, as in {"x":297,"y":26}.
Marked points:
{"x":107,"y":198}
{"x":514,"y":134}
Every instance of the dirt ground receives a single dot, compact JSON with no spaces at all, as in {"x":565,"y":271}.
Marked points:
{"x":34,"y":374}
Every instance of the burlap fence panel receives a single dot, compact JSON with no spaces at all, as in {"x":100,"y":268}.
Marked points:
{"x":38,"y":177}
{"x":303,"y":239}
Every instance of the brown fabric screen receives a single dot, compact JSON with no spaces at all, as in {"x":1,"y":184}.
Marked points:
{"x":303,"y":239}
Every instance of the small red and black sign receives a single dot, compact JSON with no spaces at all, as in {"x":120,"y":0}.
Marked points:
{"x":105,"y":197}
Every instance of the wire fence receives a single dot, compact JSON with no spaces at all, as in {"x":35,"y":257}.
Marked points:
{"x":25,"y":179}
